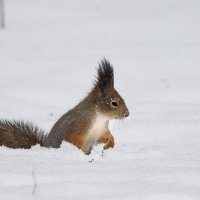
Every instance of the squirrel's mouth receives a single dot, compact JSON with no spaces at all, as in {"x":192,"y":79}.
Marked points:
{"x":116,"y":117}
{"x":121,"y":117}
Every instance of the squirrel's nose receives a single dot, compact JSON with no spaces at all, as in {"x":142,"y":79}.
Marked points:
{"x":126,"y":114}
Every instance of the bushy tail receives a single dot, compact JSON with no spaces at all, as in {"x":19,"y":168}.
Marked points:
{"x":18,"y":134}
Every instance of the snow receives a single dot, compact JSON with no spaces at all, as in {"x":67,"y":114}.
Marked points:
{"x":49,"y":53}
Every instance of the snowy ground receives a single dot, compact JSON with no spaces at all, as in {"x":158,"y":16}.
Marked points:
{"x":48,"y":55}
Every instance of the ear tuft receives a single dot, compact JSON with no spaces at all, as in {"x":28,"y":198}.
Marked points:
{"x":105,"y":75}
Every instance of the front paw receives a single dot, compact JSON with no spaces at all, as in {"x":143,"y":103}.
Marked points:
{"x":110,"y":143}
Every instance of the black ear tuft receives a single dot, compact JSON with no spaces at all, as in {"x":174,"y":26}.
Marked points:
{"x":105,"y":75}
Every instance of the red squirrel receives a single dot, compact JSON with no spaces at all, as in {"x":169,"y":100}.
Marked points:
{"x":84,"y":126}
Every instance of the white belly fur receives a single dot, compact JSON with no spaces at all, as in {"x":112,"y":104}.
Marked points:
{"x":99,"y":127}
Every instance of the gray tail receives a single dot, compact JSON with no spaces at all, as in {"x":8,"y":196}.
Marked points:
{"x":18,"y":134}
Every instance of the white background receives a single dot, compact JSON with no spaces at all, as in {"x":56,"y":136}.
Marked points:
{"x":49,"y":53}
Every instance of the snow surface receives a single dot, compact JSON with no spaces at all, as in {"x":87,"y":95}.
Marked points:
{"x":49,"y":52}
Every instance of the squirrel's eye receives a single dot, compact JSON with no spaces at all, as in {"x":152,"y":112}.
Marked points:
{"x":114,"y":104}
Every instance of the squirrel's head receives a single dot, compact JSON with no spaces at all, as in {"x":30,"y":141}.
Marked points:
{"x":108,"y":102}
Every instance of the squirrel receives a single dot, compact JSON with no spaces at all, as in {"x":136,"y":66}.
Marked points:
{"x":84,"y":126}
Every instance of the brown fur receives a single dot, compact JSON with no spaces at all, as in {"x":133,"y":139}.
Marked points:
{"x":80,"y":139}
{"x":107,"y":139}
{"x":76,"y":139}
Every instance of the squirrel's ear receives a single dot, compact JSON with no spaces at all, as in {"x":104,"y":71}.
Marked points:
{"x":105,"y":76}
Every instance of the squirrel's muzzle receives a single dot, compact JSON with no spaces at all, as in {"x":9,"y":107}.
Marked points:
{"x":126,"y":114}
